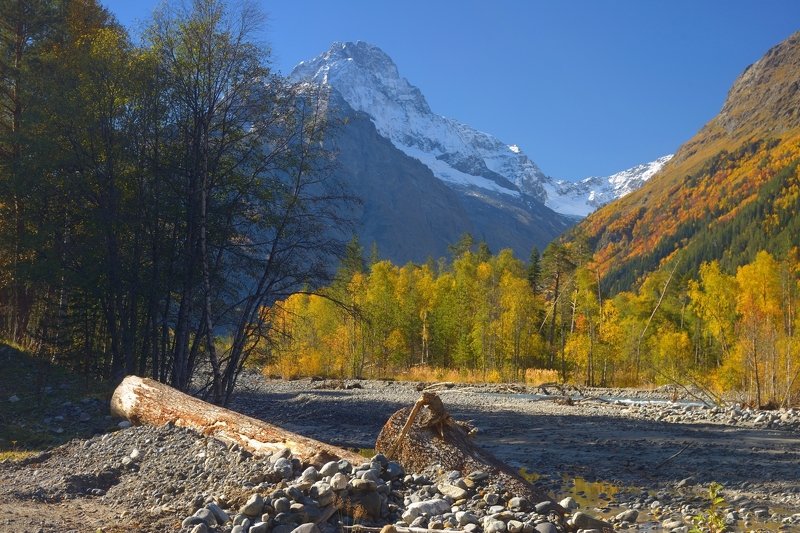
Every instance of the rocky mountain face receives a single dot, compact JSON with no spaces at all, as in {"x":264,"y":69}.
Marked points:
{"x":426,"y":179}
{"x":728,"y":192}
{"x":411,"y":215}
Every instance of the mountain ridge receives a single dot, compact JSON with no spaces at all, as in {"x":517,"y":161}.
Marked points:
{"x":701,"y":204}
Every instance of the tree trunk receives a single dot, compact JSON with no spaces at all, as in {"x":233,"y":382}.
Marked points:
{"x":145,"y":401}
{"x":434,"y":438}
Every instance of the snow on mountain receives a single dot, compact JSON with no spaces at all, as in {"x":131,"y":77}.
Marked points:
{"x":369,"y":81}
{"x":457,"y":154}
{"x":579,"y":198}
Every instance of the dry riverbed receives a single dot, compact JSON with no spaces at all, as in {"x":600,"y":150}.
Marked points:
{"x":636,"y":447}
{"x":633,"y":458}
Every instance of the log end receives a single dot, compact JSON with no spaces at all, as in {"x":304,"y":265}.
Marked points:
{"x":125,"y":400}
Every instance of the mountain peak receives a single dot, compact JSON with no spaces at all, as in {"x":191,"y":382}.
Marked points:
{"x":767,"y":94}
{"x":457,"y":154}
{"x":364,"y":74}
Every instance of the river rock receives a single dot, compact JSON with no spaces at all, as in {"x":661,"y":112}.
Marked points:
{"x":546,"y":527}
{"x":585,"y":521}
{"x":221,"y":516}
{"x":491,"y":525}
{"x":207,"y":516}
{"x":514,"y":526}
{"x":282,"y":505}
{"x":628,"y":516}
{"x":339,"y":481}
{"x":429,"y":507}
{"x":452,"y":491}
{"x":465,"y":517}
{"x":254,"y":506}
{"x":306,"y":528}
{"x":329,"y":469}
{"x":259,"y":527}
{"x":568,"y":503}
{"x":519,"y":504}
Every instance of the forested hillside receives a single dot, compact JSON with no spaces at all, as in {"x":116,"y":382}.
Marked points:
{"x":153,"y":196}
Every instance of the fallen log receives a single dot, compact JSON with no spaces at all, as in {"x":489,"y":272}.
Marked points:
{"x":145,"y":401}
{"x":425,"y":435}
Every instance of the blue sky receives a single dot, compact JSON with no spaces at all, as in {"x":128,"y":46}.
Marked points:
{"x":584,"y":87}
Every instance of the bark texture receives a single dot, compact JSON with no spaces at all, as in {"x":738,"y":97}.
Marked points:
{"x":145,"y":401}
{"x":425,"y":435}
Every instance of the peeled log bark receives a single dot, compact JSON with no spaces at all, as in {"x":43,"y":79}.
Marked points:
{"x":434,"y":438}
{"x":145,"y":401}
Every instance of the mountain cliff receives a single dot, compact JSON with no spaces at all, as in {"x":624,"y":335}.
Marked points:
{"x":424,"y":179}
{"x":728,"y":192}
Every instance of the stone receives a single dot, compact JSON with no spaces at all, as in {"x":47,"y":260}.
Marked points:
{"x":465,"y":517}
{"x":363,"y":485}
{"x":494,"y":526}
{"x":221,"y":516}
{"x":310,"y":474}
{"x":259,"y":527}
{"x":491,"y":498}
{"x":628,"y":516}
{"x":200,"y":528}
{"x":519,"y":504}
{"x":514,"y":526}
{"x":125,"y":424}
{"x":306,"y":528}
{"x":254,"y":506}
{"x":135,"y":454}
{"x":452,"y":491}
{"x":237,"y":529}
{"x":546,"y":527}
{"x":282,"y":505}
{"x":671,"y":524}
{"x":322,"y":492}
{"x":192,"y":521}
{"x":584,"y":521}
{"x":546,"y":507}
{"x":429,"y":507}
{"x":283,"y":467}
{"x":207,"y":516}
{"x":569,"y":503}
{"x":329,"y":469}
{"x":339,"y":481}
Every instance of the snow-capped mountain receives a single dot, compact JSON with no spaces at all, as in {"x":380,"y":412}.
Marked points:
{"x":579,"y":198}
{"x":425,"y":179}
{"x":457,"y":154}
{"x":464,"y":158}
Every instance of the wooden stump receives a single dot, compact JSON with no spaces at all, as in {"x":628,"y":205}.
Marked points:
{"x":145,"y":401}
{"x":425,"y":435}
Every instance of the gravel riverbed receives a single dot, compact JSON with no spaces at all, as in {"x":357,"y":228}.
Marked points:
{"x":640,"y":463}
